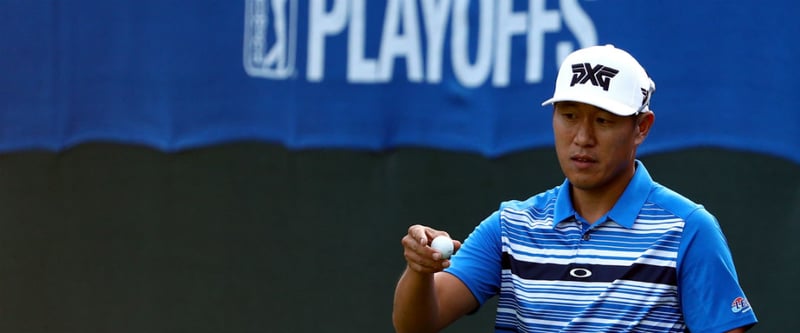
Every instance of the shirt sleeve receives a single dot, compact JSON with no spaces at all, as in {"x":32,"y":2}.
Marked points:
{"x":711,"y":297}
{"x":477,"y":262}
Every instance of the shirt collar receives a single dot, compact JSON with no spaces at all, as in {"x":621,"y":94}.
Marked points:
{"x":625,"y":210}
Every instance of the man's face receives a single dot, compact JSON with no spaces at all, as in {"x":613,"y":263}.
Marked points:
{"x":596,"y":148}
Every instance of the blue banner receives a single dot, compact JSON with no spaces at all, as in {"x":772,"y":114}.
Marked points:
{"x":465,"y":75}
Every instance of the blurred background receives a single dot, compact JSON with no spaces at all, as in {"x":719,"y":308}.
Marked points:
{"x":251,"y":166}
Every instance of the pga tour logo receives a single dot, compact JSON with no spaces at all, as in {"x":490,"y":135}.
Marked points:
{"x":270,"y":37}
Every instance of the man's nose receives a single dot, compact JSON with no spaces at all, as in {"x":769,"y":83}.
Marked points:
{"x":584,"y":135}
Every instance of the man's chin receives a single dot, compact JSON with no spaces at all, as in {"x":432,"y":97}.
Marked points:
{"x":582,"y":183}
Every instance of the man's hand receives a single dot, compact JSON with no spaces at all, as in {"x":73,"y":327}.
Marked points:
{"x":421,"y":258}
{"x":427,"y":299}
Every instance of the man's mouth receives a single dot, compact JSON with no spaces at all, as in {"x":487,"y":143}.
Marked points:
{"x":583,"y":158}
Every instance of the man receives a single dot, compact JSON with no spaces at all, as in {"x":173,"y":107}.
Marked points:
{"x":609,"y":250}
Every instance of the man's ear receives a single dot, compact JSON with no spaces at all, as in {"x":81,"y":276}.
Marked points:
{"x":644,"y":122}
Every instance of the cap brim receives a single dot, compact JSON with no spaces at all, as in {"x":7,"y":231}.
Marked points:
{"x":605,"y":104}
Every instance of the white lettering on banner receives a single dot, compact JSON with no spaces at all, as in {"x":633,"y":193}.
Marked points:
{"x":577,"y":21}
{"x":542,"y":22}
{"x":416,"y":33}
{"x":471,"y":75}
{"x":509,"y":24}
{"x":394,"y":45}
{"x":321,"y":24}
{"x":359,"y":68}
{"x":434,"y":14}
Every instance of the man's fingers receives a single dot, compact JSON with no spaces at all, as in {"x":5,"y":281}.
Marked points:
{"x":456,"y":245}
{"x":422,"y":254}
{"x":413,"y":243}
{"x":433,"y":233}
{"x":419,"y":255}
{"x":425,"y":234}
{"x":422,"y":264}
{"x":418,"y":233}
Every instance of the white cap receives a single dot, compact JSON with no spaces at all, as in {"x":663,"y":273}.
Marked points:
{"x":606,"y":77}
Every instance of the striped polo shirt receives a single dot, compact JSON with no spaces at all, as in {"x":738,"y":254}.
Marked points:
{"x":656,"y":263}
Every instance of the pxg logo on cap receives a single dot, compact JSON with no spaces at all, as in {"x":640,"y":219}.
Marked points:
{"x":270,"y":35}
{"x":599,"y":75}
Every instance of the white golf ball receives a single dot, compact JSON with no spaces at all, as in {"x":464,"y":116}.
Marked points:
{"x":444,"y":245}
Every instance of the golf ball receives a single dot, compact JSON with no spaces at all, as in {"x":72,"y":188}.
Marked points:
{"x":444,"y":245}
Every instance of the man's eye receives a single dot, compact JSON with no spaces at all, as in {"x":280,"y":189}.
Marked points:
{"x":603,"y":121}
{"x":568,"y":115}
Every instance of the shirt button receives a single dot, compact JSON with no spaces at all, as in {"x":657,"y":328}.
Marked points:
{"x":586,"y":236}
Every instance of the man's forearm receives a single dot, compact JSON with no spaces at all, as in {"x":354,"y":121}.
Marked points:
{"x":415,"y":305}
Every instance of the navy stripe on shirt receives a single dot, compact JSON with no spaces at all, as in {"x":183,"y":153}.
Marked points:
{"x":590,"y":272}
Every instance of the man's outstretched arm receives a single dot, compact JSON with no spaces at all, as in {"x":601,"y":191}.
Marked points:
{"x":427,"y":299}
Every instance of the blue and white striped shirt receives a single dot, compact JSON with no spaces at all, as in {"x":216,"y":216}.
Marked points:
{"x":658,"y":263}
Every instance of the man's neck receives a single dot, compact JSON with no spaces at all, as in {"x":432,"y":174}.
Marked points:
{"x":592,"y":204}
